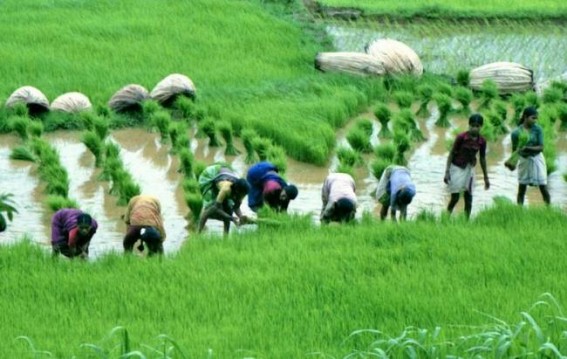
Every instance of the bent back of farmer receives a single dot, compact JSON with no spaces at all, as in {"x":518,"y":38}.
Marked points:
{"x":145,"y":223}
{"x":222,"y":192}
{"x":267,"y":186}
{"x":395,"y":191}
{"x":71,"y":232}
{"x":339,"y":198}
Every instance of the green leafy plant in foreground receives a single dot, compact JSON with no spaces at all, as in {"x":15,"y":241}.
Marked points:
{"x":8,"y":208}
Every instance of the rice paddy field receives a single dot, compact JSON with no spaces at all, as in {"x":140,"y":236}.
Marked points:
{"x":433,"y":287}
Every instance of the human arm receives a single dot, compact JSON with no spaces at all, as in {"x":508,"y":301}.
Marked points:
{"x":454,"y":149}
{"x":129,"y":209}
{"x":482,"y":160}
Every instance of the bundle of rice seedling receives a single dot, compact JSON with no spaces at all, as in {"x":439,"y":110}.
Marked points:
{"x":350,"y":62}
{"x":512,"y":161}
{"x":35,"y":129}
{"x":34,"y":99}
{"x":384,"y":115}
{"x":208,"y":127}
{"x":195,"y":203}
{"x":359,"y":140}
{"x":186,"y":162}
{"x":22,"y":153}
{"x":71,"y":102}
{"x":444,"y":104}
{"x":93,"y":142}
{"x":248,"y":136}
{"x":425,"y":93}
{"x":465,"y":97}
{"x":385,"y":151}
{"x":129,"y":98}
{"x":261,"y":146}
{"x":348,"y":157}
{"x":225,"y":129}
{"x":172,"y":87}
{"x":20,"y":125}
{"x":395,"y":56}
{"x":509,"y":77}
{"x":55,"y":203}
{"x":559,"y":81}
{"x":161,"y":120}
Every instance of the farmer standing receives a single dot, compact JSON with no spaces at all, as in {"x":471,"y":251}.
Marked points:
{"x":145,"y":223}
{"x":459,"y":172}
{"x":222,"y":192}
{"x":532,"y":169}
{"x":339,"y":198}
{"x":266,"y":185}
{"x":71,"y":232}
{"x":395,"y":191}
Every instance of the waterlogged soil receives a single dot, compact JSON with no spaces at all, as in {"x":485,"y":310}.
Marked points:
{"x":156,"y":171}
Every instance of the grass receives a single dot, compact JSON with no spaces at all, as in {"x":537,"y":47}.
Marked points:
{"x":261,"y":294}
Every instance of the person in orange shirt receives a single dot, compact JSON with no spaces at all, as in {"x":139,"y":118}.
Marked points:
{"x":145,"y":223}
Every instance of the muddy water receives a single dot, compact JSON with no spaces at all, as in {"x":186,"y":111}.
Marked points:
{"x":155,"y":170}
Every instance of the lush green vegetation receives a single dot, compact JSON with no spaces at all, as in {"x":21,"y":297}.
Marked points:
{"x":290,"y":288}
{"x":457,"y":8}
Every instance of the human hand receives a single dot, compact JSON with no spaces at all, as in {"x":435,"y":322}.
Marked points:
{"x":236,"y":221}
{"x":486,"y":184}
{"x":447,"y":178}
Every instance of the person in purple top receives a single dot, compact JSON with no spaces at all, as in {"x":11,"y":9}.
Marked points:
{"x":71,"y":232}
{"x":459,"y":172}
{"x":266,"y":185}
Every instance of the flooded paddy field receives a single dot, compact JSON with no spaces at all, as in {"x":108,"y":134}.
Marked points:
{"x":155,"y":169}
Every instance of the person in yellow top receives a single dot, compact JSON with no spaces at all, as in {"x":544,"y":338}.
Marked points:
{"x":145,"y":223}
{"x":222,"y":192}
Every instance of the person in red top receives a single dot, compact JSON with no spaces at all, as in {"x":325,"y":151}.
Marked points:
{"x":459,"y":172}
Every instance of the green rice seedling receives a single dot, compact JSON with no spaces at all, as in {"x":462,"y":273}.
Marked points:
{"x":162,"y":120}
{"x":366,"y":126}
{"x":190,"y":185}
{"x":500,"y":108}
{"x":101,"y":127}
{"x":55,"y":178}
{"x":276,"y":154}
{"x":359,"y":140}
{"x":399,"y":82}
{"x":464,"y":96}
{"x":348,"y":157}
{"x":488,"y":93}
{"x":384,"y":115}
{"x":403,"y":99}
{"x":445,"y":106}
{"x":184,"y":107}
{"x":19,"y":125}
{"x":248,"y":136}
{"x":7,"y":209}
{"x":425,"y":93}
{"x":552,"y":95}
{"x":92,"y":141}
{"x":199,"y":168}
{"x":36,"y":352}
{"x":128,"y":189}
{"x":463,"y":78}
{"x":407,"y":117}
{"x":532,"y":99}
{"x":22,"y":153}
{"x":173,"y":131}
{"x":150,"y":107}
{"x":512,"y":161}
{"x":35,"y":129}
{"x":518,"y":103}
{"x":562,"y":116}
{"x":186,"y":162}
{"x":445,"y":89}
{"x":179,"y":136}
{"x":261,"y":146}
{"x":386,"y":151}
{"x":495,"y":126}
{"x":112,"y":150}
{"x":55,"y":203}
{"x":20,"y":109}
{"x":109,"y":167}
{"x":225,"y":128}
{"x":378,"y":166}
{"x":208,"y":128}
{"x":195,"y":203}
{"x":43,"y":151}
{"x":402,"y":141}
{"x":88,"y":118}
{"x":345,"y":168}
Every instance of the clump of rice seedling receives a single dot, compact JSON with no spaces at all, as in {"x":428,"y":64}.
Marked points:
{"x":403,"y":99}
{"x":518,"y":103}
{"x":348,"y":157}
{"x":445,"y":106}
{"x":7,"y":208}
{"x":465,"y":97}
{"x":20,"y":124}
{"x":162,"y":120}
{"x":463,"y":78}
{"x":359,"y":140}
{"x":22,"y":153}
{"x":345,"y":168}
{"x":208,"y":128}
{"x":190,"y":185}
{"x":562,"y":116}
{"x":402,"y":142}
{"x":100,"y":127}
{"x":445,"y":89}
{"x":45,"y":154}
{"x":195,"y":203}
{"x":225,"y":129}
{"x":179,"y":137}
{"x":488,"y":93}
{"x":552,"y":95}
{"x":384,"y":115}
{"x":199,"y":168}
{"x":128,"y":189}
{"x":495,"y":121}
{"x":532,"y":99}
{"x":261,"y":146}
{"x":56,"y":203}
{"x":500,"y":108}
{"x":87,"y":118}
{"x":512,"y":162}
{"x":93,"y":142}
{"x":173,"y":131}
{"x":378,"y":166}
{"x":186,"y":162}
{"x":365,"y":125}
{"x":277,"y":156}
{"x":19,"y":109}
{"x":35,"y":129}
{"x":425,"y":92}
{"x":386,"y":151}
{"x":149,"y":107}
{"x":406,"y":122}
{"x":184,"y":107}
{"x":248,"y":136}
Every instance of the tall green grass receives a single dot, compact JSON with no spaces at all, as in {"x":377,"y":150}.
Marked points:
{"x":260,"y":294}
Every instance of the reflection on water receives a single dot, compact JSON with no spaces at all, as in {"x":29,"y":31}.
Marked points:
{"x":155,"y":170}
{"x":446,"y":48}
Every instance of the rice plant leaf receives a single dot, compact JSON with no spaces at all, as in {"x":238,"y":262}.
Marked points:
{"x":553,"y":348}
{"x":168,"y":339}
{"x":101,"y":352}
{"x":535,"y":326}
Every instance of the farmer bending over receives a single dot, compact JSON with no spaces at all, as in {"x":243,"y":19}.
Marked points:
{"x":395,"y":192}
{"x":71,"y":232}
{"x":339,"y":198}
{"x":266,"y":185}
{"x":145,"y":223}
